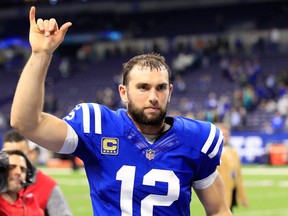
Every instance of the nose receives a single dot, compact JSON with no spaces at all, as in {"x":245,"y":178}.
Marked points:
{"x":18,"y":170}
{"x":153,"y":97}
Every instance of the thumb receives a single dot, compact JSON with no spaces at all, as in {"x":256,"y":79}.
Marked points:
{"x":64,"y":28}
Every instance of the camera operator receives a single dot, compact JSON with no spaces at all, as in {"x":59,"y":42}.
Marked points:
{"x":16,"y":173}
{"x":46,"y":190}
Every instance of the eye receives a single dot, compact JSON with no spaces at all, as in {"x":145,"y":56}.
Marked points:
{"x":12,"y":166}
{"x":162,"y":87}
{"x":143,"y":87}
{"x":23,"y":169}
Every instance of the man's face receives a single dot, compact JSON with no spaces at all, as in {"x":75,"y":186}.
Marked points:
{"x":17,"y":172}
{"x":147,"y":95}
{"x":21,"y":145}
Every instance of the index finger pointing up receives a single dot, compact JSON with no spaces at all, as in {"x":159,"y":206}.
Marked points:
{"x":32,"y":15}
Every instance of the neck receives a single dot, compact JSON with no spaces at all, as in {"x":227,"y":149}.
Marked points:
{"x":10,"y":197}
{"x":150,"y":129}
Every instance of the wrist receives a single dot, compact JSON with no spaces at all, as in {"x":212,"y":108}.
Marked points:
{"x":41,"y":55}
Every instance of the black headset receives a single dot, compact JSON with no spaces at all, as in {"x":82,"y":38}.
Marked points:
{"x":4,"y":165}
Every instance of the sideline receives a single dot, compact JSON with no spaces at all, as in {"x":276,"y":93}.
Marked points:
{"x":267,"y":212}
{"x":61,"y":171}
{"x":266,"y":183}
{"x":265,"y":170}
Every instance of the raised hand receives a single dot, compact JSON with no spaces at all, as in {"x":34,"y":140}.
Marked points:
{"x":45,"y":36}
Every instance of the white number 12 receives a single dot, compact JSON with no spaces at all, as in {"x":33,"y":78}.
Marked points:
{"x":126,"y":174}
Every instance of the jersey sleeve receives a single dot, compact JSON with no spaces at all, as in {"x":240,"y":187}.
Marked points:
{"x":209,"y":157}
{"x":86,"y":121}
{"x":85,"y":118}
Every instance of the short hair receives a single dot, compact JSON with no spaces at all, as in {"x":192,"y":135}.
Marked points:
{"x":14,"y":136}
{"x":152,"y":60}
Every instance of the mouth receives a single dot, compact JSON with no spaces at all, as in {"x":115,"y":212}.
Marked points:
{"x":152,"y":109}
{"x":16,"y":181}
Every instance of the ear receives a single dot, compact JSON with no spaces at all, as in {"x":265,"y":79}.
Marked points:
{"x":123,"y":93}
{"x":170,"y":92}
{"x":33,"y":156}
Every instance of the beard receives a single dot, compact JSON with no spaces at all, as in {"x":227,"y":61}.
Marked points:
{"x":140,"y":117}
{"x":14,"y":186}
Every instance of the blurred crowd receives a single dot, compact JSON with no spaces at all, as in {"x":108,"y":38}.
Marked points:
{"x":236,"y":59}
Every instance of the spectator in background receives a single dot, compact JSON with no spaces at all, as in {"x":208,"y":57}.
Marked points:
{"x":183,"y":61}
{"x":17,"y":172}
{"x":270,"y":84}
{"x":107,"y":97}
{"x":277,"y":122}
{"x":235,"y":70}
{"x":249,"y":98}
{"x":185,"y":105}
{"x":204,"y":82}
{"x":282,"y":105}
{"x":179,"y":84}
{"x":50,"y":103}
{"x":237,"y":118}
{"x":268,"y":105}
{"x":68,"y":157}
{"x":223,"y":107}
{"x":230,"y":171}
{"x":239,"y":45}
{"x":64,"y":67}
{"x":256,"y":71}
{"x":45,"y":189}
{"x":212,"y":101}
{"x":85,"y":53}
{"x":266,"y":128}
{"x":211,"y":115}
{"x":237,"y":98}
{"x":274,"y":39}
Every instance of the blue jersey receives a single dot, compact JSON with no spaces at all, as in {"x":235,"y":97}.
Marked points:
{"x":128,"y":175}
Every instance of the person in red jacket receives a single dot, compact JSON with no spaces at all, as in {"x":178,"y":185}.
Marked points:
{"x":17,"y":172}
{"x":45,"y":188}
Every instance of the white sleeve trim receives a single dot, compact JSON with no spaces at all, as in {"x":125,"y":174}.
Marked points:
{"x":216,"y":149}
{"x":210,"y":139}
{"x":71,"y":141}
{"x":206,"y":182}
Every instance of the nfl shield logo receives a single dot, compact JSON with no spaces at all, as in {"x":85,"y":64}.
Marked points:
{"x":150,"y":154}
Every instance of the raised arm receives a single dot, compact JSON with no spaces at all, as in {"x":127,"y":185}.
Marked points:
{"x":26,"y":113}
{"x":213,"y":199}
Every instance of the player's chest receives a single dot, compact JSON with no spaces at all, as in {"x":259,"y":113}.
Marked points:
{"x":119,"y":156}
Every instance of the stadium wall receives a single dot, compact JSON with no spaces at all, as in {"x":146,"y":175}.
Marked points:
{"x":261,"y":148}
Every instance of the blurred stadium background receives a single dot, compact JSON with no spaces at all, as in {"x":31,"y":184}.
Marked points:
{"x":229,"y":63}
